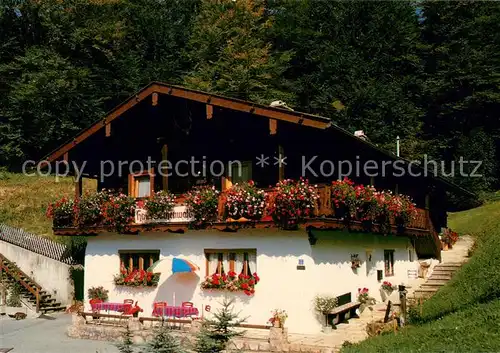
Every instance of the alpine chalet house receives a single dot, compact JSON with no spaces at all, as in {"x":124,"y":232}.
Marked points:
{"x":247,"y":201}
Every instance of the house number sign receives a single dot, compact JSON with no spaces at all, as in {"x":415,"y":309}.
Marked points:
{"x":301,"y":265}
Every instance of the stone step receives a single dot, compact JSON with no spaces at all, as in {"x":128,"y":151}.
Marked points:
{"x":45,"y":300}
{"x":443,"y":272}
{"x":440,"y":277}
{"x":448,"y":265}
{"x":52,"y":309}
{"x":427,"y":290}
{"x":431,"y":285}
{"x":434,"y":282}
{"x":50,"y":305}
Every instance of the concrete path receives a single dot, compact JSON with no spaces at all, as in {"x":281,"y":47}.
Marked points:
{"x":459,"y":251}
{"x":35,"y":335}
{"x":353,"y":332}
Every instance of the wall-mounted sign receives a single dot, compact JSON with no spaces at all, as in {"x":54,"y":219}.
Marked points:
{"x":179,"y":214}
{"x":412,"y":274}
{"x":301,"y":265}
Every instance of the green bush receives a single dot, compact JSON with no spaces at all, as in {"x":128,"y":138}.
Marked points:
{"x":473,"y":330}
{"x":476,"y":282}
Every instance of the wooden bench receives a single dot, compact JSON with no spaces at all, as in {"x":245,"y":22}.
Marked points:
{"x":346,"y":306}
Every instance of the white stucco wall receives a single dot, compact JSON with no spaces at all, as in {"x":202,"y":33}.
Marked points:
{"x":51,"y":274}
{"x":282,"y":286}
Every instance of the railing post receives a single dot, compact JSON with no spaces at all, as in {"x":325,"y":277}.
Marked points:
{"x":37,"y":299}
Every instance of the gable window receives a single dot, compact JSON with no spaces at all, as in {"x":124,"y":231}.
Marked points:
{"x":138,"y":259}
{"x":141,"y":184}
{"x":242,"y":261}
{"x":389,"y":262}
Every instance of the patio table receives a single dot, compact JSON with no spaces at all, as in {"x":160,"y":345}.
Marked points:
{"x":175,"y":311}
{"x":120,"y":307}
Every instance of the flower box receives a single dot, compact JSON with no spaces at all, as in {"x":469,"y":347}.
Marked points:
{"x":245,"y":201}
{"x":232,"y":282}
{"x":293,"y":202}
{"x":137,"y":278}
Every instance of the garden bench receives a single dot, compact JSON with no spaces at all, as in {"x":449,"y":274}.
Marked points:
{"x":345,"y":306}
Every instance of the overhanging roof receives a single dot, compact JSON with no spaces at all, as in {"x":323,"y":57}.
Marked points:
{"x":296,"y":117}
{"x":193,"y":95}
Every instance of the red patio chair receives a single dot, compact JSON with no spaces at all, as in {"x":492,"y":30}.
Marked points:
{"x":159,"y":305}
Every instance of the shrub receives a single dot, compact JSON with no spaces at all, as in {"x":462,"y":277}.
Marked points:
{"x":365,"y":299}
{"x":325,"y":304}
{"x":14,"y":298}
{"x":160,"y":205}
{"x":202,"y":202}
{"x":245,"y":200}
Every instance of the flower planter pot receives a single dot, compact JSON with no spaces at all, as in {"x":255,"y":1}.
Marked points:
{"x":367,"y":225}
{"x":341,"y":212}
{"x":385,"y":294}
{"x":276,"y":324}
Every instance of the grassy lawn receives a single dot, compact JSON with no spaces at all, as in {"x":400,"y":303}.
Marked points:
{"x":23,"y":199}
{"x":463,"y":316}
{"x":475,"y":329}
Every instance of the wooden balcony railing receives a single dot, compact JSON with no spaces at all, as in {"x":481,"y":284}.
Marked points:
{"x":13,"y":271}
{"x":324,"y":208}
{"x":322,"y":211}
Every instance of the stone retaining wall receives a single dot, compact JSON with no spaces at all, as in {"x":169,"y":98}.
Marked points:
{"x":277,"y":341}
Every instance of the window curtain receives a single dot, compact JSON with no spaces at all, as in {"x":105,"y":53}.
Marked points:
{"x":212,"y":263}
{"x":238,"y":263}
{"x":252,"y":260}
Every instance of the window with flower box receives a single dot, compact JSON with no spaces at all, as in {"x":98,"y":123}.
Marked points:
{"x":241,"y":261}
{"x":138,"y":259}
{"x":389,"y":262}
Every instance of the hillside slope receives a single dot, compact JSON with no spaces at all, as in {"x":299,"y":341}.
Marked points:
{"x":24,"y":199}
{"x":463,"y":316}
